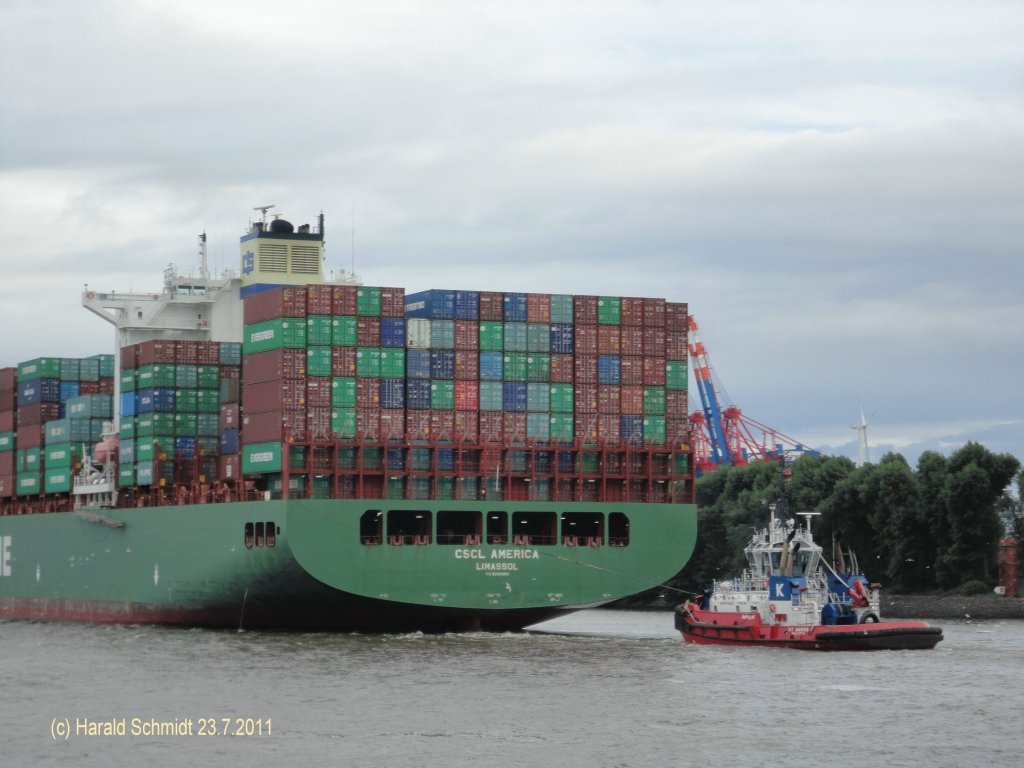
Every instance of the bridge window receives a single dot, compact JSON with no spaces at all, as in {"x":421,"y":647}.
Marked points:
{"x":534,"y":528}
{"x":497,"y":527}
{"x":371,"y":527}
{"x":618,"y":530}
{"x":409,"y":526}
{"x":458,"y":527}
{"x":583,"y":529}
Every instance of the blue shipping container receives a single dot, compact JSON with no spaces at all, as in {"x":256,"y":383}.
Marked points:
{"x":417,"y":394}
{"x":68,"y":390}
{"x":184,"y":447}
{"x":38,"y":391}
{"x":631,"y":427}
{"x":445,"y":459}
{"x":164,"y":400}
{"x":392,"y":332}
{"x":229,"y":441}
{"x":442,"y":364}
{"x":128,"y":403}
{"x":434,"y":304}
{"x":467,"y":305}
{"x":392,"y":393}
{"x":513,"y":396}
{"x":417,"y":364}
{"x":395,"y":458}
{"x":492,"y":366}
{"x":144,"y":401}
{"x":609,"y":369}
{"x":515,"y":308}
{"x":562,"y":339}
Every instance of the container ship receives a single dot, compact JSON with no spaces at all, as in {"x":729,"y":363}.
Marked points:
{"x":274,"y":449}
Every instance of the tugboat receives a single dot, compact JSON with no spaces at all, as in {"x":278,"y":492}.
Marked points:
{"x":790,"y":597}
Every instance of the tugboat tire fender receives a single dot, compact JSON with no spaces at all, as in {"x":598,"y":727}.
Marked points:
{"x":869,"y":618}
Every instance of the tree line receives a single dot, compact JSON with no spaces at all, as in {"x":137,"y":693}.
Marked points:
{"x":934,"y":527}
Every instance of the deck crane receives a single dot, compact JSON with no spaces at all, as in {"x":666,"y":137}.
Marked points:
{"x":723,"y":435}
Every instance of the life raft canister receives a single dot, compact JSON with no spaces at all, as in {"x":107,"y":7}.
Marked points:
{"x":859,"y":594}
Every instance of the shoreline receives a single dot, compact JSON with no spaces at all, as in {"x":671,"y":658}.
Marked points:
{"x":973,"y":607}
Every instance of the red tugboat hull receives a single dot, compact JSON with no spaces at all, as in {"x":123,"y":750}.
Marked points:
{"x":717,"y":628}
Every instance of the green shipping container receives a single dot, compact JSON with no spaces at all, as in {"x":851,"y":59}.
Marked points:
{"x":368,"y":301}
{"x":676,"y":374}
{"x":442,"y":395}
{"x":156,"y":424}
{"x":208,"y":377}
{"x":89,"y":369}
{"x":562,"y":398}
{"x":319,"y":330}
{"x":186,"y":377}
{"x":395,"y":488}
{"x":654,"y":402}
{"x":126,"y":427}
{"x":392,"y":363}
{"x":492,"y":337}
{"x":230,"y":353}
{"x":318,"y":361}
{"x":515,"y":366}
{"x":57,"y":480}
{"x":208,"y":424}
{"x":6,"y":441}
{"x":681,"y":464}
{"x":343,"y":421}
{"x":128,"y":379}
{"x":186,"y":400}
{"x":654,"y":429}
{"x":445,"y":490}
{"x":609,"y":310}
{"x":151,"y":449}
{"x":156,"y":375}
{"x":28,"y":460}
{"x":368,"y":362}
{"x":538,"y":426}
{"x":343,"y":392}
{"x":185,"y":424}
{"x":347,"y":456}
{"x":207,"y":401}
{"x":371,"y":458}
{"x":562,"y":309}
{"x":538,"y":367}
{"x":344,"y":331}
{"x":70,"y":369}
{"x":274,"y":334}
{"x":60,"y":456}
{"x":90,"y":407}
{"x":261,"y":457}
{"x":39,"y":368}
{"x":589,"y":462}
{"x":126,"y":475}
{"x":538,"y":337}
{"x":538,"y":399}
{"x":516,"y":337}
{"x":29,"y":483}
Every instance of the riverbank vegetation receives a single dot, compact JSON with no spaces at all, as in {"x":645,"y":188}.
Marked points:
{"x":931,"y":528}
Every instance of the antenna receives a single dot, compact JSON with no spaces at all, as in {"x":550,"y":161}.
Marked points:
{"x":264,"y":209}
{"x":863,"y":456}
{"x":204,"y":271}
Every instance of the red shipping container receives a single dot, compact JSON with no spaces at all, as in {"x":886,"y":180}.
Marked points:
{"x":319,"y":299}
{"x":654,"y":341}
{"x":631,"y":311}
{"x":467,"y":395}
{"x":585,"y":400}
{"x":676,"y":317}
{"x":654,"y":371}
{"x":229,"y":416}
{"x":30,"y":436}
{"x":608,"y":427}
{"x":442,"y":425}
{"x":467,"y":335}
{"x":36,"y":414}
{"x":84,"y":388}
{"x":585,"y":310}
{"x":677,"y":403}
{"x":492,"y":305}
{"x":631,"y":369}
{"x":538,"y":307}
{"x":392,"y":424}
{"x":467,"y":365}
{"x":318,"y":424}
{"x":230,"y":372}
{"x":514,"y":426}
{"x":7,"y":420}
{"x":367,"y":393}
{"x":492,"y":427}
{"x":677,"y":432}
{"x":186,"y":353}
{"x":563,"y":369}
{"x":287,"y":301}
{"x":106,"y":385}
{"x":7,"y":462}
{"x":609,"y":340}
{"x":608,"y":398}
{"x":632,"y":339}
{"x":8,"y":379}
{"x":208,"y":352}
{"x":318,"y":392}
{"x":586,"y":427}
{"x":368,"y":424}
{"x":156,"y":351}
{"x":675,"y":346}
{"x":345,"y":300}
{"x":586,"y":342}
{"x":654,"y":313}
{"x":274,"y":364}
{"x":276,"y":395}
{"x":631,"y":399}
{"x":343,"y":361}
{"x":274,"y":425}
{"x":129,"y":357}
{"x":392,"y":302}
{"x":467,"y":426}
{"x":368,"y":331}
{"x":586,"y":369}
{"x":7,"y":485}
{"x":9,"y":400}
{"x":229,"y":467}
{"x":417,"y":425}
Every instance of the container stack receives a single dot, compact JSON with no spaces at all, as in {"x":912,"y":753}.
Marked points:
{"x":173,"y":430}
{"x":320,"y":363}
{"x":525,"y":396}
{"x":70,"y":397}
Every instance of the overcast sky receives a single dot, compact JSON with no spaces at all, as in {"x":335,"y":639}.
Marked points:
{"x":837,"y":189}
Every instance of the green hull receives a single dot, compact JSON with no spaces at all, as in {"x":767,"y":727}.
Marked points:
{"x":200,"y":566}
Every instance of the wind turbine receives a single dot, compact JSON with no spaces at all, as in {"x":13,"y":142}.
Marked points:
{"x":862,"y":437}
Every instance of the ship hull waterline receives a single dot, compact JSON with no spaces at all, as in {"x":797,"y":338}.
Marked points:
{"x":191,"y":566}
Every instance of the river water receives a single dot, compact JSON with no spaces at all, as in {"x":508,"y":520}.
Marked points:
{"x":599,"y":688}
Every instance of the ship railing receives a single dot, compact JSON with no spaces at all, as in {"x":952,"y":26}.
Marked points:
{"x":469,"y":539}
{"x":413,"y":540}
{"x":582,"y":541}
{"x":527,"y":540}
